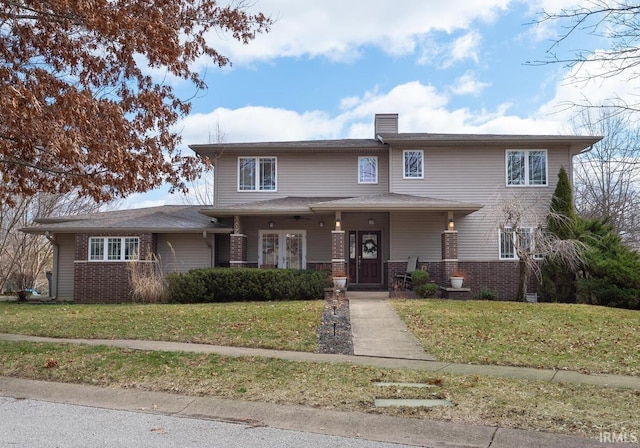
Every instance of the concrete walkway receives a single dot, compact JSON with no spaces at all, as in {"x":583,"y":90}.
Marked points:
{"x":378,"y":331}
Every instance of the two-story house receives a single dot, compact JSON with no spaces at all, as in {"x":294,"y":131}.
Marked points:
{"x":359,"y":206}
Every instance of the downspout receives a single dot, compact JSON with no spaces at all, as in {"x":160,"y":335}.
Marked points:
{"x":208,"y":243}
{"x":56,"y":256}
{"x":572,"y":171}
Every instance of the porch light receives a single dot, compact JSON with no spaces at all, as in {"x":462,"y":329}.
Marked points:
{"x":371,"y":221}
{"x":321,"y":223}
{"x":338,"y":224}
{"x":451,"y":224}
{"x":271,"y":224}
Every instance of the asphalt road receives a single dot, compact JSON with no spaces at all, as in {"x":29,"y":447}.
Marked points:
{"x":32,"y":423}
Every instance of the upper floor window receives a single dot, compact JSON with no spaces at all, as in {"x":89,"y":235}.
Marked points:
{"x":256,"y":173}
{"x":527,"y":167}
{"x":413,"y":164}
{"x":114,"y":248}
{"x":368,"y":170}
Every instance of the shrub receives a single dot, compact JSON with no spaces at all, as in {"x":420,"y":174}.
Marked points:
{"x":238,"y":285}
{"x":486,"y":294}
{"x":422,"y":285}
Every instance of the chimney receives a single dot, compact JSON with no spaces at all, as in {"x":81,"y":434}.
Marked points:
{"x":386,"y":124}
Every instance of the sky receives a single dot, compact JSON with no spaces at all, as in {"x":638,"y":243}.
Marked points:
{"x":326,"y":68}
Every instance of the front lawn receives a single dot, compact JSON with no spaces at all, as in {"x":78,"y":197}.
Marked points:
{"x":274,"y":325}
{"x":585,"y":338}
{"x":511,"y":403}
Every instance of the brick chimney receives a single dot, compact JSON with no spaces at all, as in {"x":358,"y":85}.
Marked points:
{"x":386,"y":124}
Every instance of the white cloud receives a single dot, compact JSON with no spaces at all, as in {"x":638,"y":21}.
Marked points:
{"x":337,"y":29}
{"x":467,"y":84}
{"x":465,"y":47}
{"x":421,"y":108}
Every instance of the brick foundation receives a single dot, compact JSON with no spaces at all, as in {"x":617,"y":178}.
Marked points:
{"x":501,"y":277}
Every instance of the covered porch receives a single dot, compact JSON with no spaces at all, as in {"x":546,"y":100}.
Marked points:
{"x":367,"y":238}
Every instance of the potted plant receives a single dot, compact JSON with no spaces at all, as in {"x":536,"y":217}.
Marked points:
{"x":456,"y":279}
{"x":339,"y":280}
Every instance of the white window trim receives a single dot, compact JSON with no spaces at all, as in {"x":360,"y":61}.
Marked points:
{"x":363,"y":182}
{"x":281,"y":246}
{"x":404,"y":173}
{"x":105,"y":249}
{"x":526,"y":168}
{"x":256,"y":187}
{"x":515,"y":252}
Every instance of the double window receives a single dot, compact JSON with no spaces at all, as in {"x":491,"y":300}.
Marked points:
{"x":514,"y":241}
{"x":114,"y":248}
{"x":526,"y":167}
{"x":368,"y":170}
{"x":413,"y":164}
{"x":257,"y":174}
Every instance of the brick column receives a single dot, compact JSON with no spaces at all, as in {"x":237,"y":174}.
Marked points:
{"x":338,"y":261}
{"x":449,"y":252}
{"x":238,"y":256}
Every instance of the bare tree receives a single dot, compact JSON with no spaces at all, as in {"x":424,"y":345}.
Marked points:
{"x":24,"y":257}
{"x":523,"y":234}
{"x":607,"y":178}
{"x":614,"y":21}
{"x":201,"y":190}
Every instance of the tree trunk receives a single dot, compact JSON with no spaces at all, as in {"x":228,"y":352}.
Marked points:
{"x":522,"y":286}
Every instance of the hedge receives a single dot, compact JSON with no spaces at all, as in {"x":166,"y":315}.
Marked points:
{"x":241,"y":285}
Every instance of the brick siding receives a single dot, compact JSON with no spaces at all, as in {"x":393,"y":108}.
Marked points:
{"x":100,"y":281}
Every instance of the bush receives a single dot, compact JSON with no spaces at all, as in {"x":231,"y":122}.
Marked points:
{"x":486,"y":294}
{"x":422,"y":285}
{"x":239,"y":285}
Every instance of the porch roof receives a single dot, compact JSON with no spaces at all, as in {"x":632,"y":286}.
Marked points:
{"x":369,"y":203}
{"x":164,"y":219}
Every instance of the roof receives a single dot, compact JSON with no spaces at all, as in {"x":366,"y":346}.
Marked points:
{"x":164,"y":219}
{"x":369,"y":203}
{"x":339,"y":145}
{"x":579,"y":143}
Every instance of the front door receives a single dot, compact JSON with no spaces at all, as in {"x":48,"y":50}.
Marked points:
{"x":364,"y":257}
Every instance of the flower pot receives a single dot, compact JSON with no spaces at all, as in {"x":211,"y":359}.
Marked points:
{"x":456,"y":282}
{"x":340,"y":282}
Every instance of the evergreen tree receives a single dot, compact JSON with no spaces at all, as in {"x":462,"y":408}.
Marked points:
{"x":557,"y":279}
{"x":611,"y":274}
{"x":562,"y":215}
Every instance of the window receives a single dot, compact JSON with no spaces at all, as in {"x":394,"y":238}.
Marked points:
{"x":526,"y":167}
{"x":284,"y":249}
{"x":367,"y":170}
{"x":413,"y":164}
{"x":524,"y":238}
{"x":114,"y":248}
{"x":256,"y":174}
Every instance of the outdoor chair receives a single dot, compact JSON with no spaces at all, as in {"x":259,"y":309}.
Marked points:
{"x":403,"y":280}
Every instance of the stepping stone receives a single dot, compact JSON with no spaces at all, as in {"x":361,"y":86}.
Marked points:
{"x":416,"y":385}
{"x":409,"y":403}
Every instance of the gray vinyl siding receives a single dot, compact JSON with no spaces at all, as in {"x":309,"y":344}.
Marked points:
{"x":308,"y":174}
{"x":182,"y":252}
{"x":65,"y":265}
{"x":475,"y":175}
{"x":417,"y":234}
